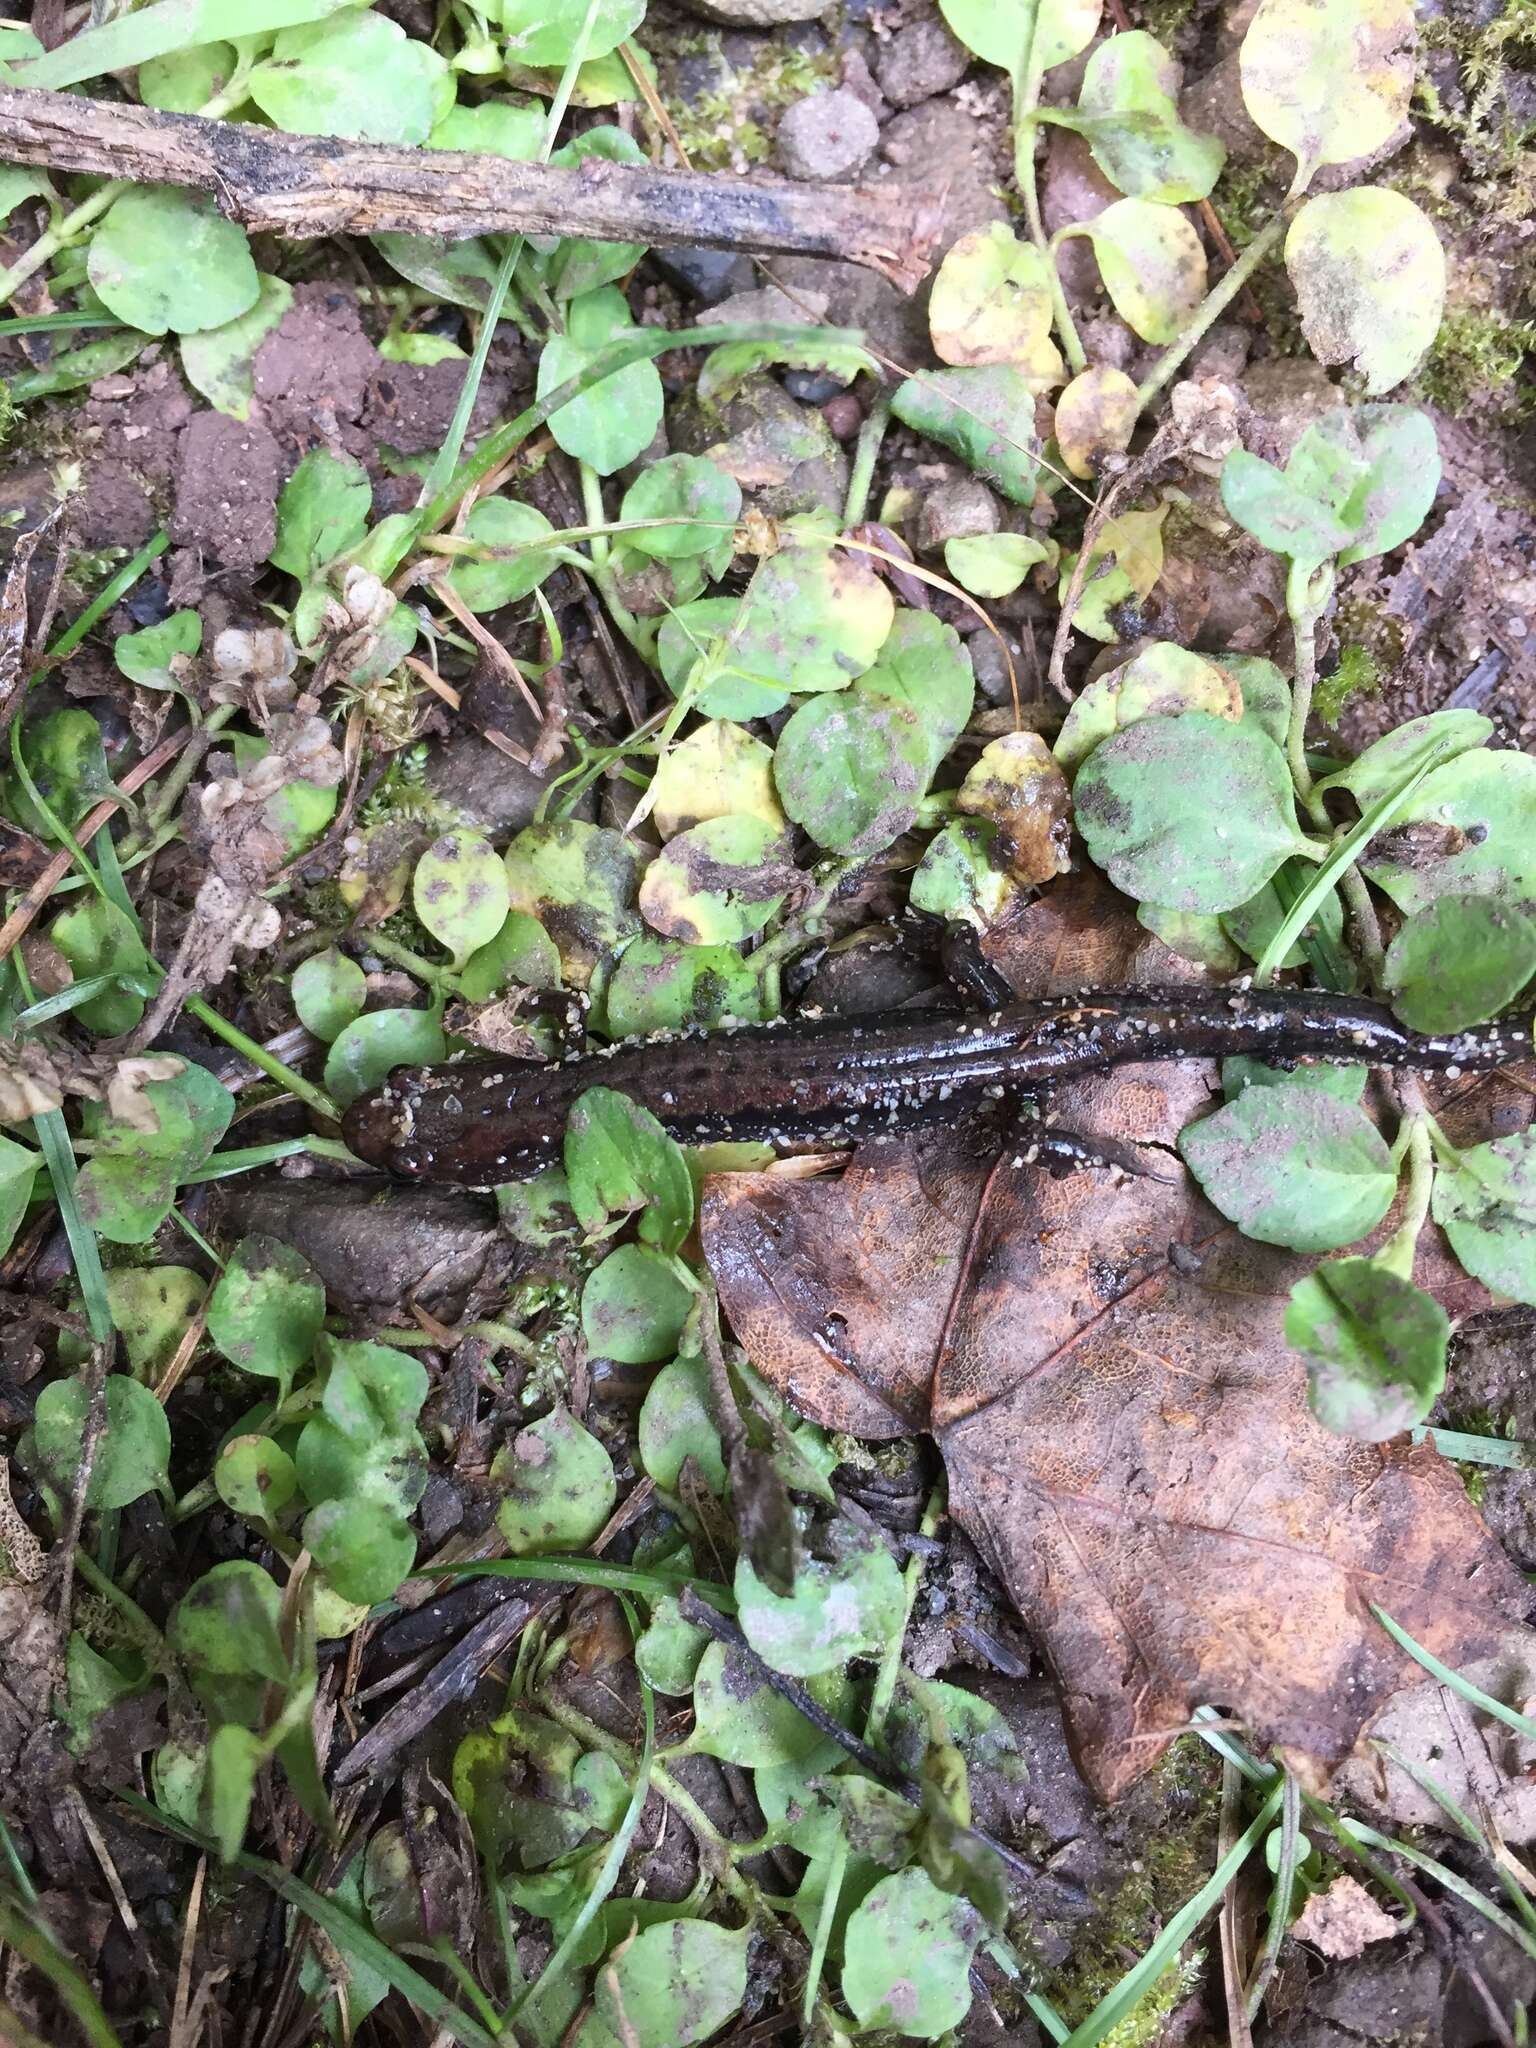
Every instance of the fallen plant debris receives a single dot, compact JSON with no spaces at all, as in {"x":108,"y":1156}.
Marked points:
{"x":943,"y":882}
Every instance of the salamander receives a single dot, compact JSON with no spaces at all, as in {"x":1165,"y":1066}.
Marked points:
{"x":837,"y":1079}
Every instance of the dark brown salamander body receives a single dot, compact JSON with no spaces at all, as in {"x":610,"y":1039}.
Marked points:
{"x":838,"y":1079}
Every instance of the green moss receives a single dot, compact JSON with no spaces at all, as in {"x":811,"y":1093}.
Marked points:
{"x":724,"y":128}
{"x":1495,"y":146}
{"x":1175,"y":1854}
{"x":1357,"y":674}
{"x":1476,"y":365}
{"x":1164,"y":18}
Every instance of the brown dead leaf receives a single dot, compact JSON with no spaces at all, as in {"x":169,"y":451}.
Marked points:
{"x":1344,"y":1920}
{"x":1102,"y":1363}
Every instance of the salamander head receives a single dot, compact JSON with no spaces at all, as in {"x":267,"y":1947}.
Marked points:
{"x":380,"y":1127}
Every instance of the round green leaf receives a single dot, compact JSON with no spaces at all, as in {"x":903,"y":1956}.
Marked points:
{"x":356,"y":74}
{"x":364,"y":1550}
{"x":684,"y":642}
{"x":220,"y":362}
{"x":18,"y":1171}
{"x":716,"y":884}
{"x":994,"y":564}
{"x":849,"y":1606}
{"x":185,"y":80}
{"x":1047,"y":34}
{"x":676,"y":1982}
{"x":127,"y":1186}
{"x":152,"y":1310}
{"x":1192,"y":812}
{"x":1329,"y":80}
{"x":504,"y":523}
{"x":686,"y":487}
{"x":1486,"y":1205}
{"x":267,"y":1309}
{"x":669,"y":1649}
{"x":907,"y":1956}
{"x":367,"y":1049}
{"x":634,"y":1305}
{"x":1294,"y":1166}
{"x":494,"y":128}
{"x":145,"y":658}
{"x":164,"y":258}
{"x":1459,"y":962}
{"x":1375,"y":1348}
{"x":963,"y":876}
{"x":739,"y":1718}
{"x":227,"y":1624}
{"x":1160,"y":682}
{"x":544,"y":33}
{"x":677,"y":1423}
{"x":815,"y":615}
{"x":132,"y":1453}
{"x":557,"y":1486}
{"x":1129,"y":113}
{"x":459,"y":892}
{"x":522,"y":955}
{"x":96,"y":937}
{"x":925,"y":666}
{"x":851,"y":772}
{"x":578,"y":881}
{"x":322,"y":512}
{"x":255,"y":1477}
{"x":991,"y":303}
{"x":1152,"y":263}
{"x":659,"y":985}
{"x":618,"y":1159}
{"x":616,"y":421}
{"x":1369,"y":274}
{"x":1240,"y":1072}
{"x":1266,"y":693}
{"x":329,"y":992}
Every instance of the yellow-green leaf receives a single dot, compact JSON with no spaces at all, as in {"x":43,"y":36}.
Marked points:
{"x":992,"y":304}
{"x":1152,"y":263}
{"x":717,"y":770}
{"x":1095,"y":418}
{"x":1329,"y":80}
{"x":1369,"y":274}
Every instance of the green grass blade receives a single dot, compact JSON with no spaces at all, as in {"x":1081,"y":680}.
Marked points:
{"x":1134,"y":1985}
{"x":1300,"y":913}
{"x":112,"y":590}
{"x":585,"y":1571}
{"x":1509,"y":1453}
{"x":358,"y":1944}
{"x":58,"y":1154}
{"x":38,"y":1948}
{"x":1452,"y":1880}
{"x":608,"y":1873}
{"x":1462,"y":1687}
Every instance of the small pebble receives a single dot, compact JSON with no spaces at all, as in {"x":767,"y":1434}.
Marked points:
{"x":920,"y":61}
{"x":843,"y":415}
{"x":826,"y":136}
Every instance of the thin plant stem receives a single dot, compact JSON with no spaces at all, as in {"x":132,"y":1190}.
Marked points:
{"x":305,"y":1091}
{"x":865,"y":453}
{"x":1026,"y":97}
{"x":1396,"y":1255}
{"x":1209,"y":311}
{"x":1307,"y":592}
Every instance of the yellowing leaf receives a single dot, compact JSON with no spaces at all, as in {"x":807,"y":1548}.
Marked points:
{"x":719,"y":769}
{"x":1018,"y":788}
{"x":1126,"y":561}
{"x":1095,"y":417}
{"x":1369,"y":274}
{"x":995,"y":564}
{"x":1152,"y":263}
{"x":1160,"y":681}
{"x":992,"y":304}
{"x":1329,"y":80}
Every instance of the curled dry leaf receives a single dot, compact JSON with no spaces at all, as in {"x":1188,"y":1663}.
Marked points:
{"x":1344,"y":1920}
{"x":1125,"y":1431}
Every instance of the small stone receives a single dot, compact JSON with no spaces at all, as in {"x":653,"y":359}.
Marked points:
{"x":813,"y":387}
{"x":827,"y":136}
{"x":919,"y":61}
{"x":844,"y":415}
{"x":957,"y":511}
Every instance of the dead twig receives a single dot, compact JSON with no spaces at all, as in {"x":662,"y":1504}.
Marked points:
{"x":305,"y":186}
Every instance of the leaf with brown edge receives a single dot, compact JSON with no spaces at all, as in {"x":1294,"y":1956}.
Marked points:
{"x":1103,"y":1366}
